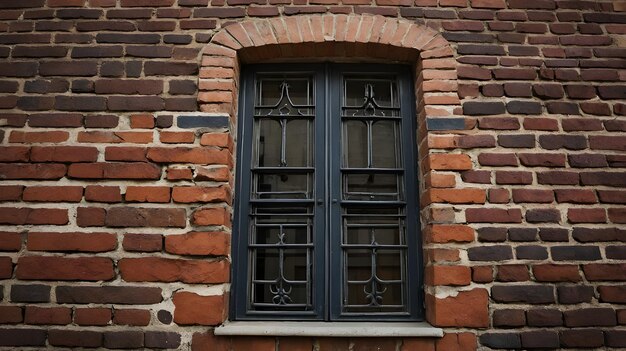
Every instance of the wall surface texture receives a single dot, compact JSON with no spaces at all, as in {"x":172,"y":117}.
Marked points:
{"x":118,"y":145}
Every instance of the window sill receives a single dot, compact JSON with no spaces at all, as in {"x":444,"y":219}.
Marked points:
{"x":329,"y":329}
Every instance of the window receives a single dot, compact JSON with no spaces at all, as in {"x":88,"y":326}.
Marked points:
{"x":326,"y":204}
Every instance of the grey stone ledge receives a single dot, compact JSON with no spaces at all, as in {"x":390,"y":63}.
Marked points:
{"x":329,"y":329}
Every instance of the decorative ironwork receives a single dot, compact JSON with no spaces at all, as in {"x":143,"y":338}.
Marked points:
{"x":371,"y":107}
{"x":324,"y":154}
{"x":284,"y":106}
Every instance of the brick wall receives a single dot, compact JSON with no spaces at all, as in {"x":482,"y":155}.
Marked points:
{"x":117,"y":150}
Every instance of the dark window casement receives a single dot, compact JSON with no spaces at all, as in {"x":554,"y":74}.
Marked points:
{"x":326,"y":201}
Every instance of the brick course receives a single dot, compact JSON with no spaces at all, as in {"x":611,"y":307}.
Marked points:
{"x":118,"y":142}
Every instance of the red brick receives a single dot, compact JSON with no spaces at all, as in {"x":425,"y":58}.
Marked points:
{"x":82,"y":242}
{"x":145,"y":217}
{"x":11,"y":192}
{"x":218,"y":174}
{"x":448,"y":275}
{"x":211,"y":216}
{"x":482,"y":274}
{"x":179,"y":174}
{"x":10,"y":314}
{"x":512,"y":273}
{"x":135,"y":317}
{"x":6,"y":267}
{"x":38,"y":137}
{"x":20,"y":216}
{"x":466,"y":309}
{"x":51,"y":315}
{"x":450,"y":162}
{"x":457,"y":342}
{"x":142,"y":242}
{"x":147,"y":194}
{"x":129,"y":170}
{"x":617,"y":215}
{"x":586,"y":215}
{"x":90,"y":216}
{"x":14,"y":154}
{"x":142,"y":121}
{"x":499,"y":196}
{"x":114,"y":153}
{"x":168,"y":137}
{"x":216,"y":139}
{"x":577,"y":196}
{"x":198,"y":243}
{"x":493,"y":215}
{"x":10,"y":241}
{"x":201,"y":194}
{"x":556,"y":273}
{"x":458,"y":196}
{"x":439,"y":180}
{"x":64,"y":268}
{"x":115,"y":137}
{"x":533,"y":195}
{"x":92,"y":316}
{"x":608,"y":272}
{"x":448,"y":233}
{"x":193,"y":309}
{"x":53,"y":193}
{"x":152,"y":269}
{"x":98,"y":193}
{"x":188,"y":155}
{"x":442,"y":255}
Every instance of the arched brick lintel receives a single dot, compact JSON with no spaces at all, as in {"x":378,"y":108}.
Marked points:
{"x":354,"y":38}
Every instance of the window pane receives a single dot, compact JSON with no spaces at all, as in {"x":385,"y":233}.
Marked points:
{"x":299,"y":141}
{"x":272,"y":89}
{"x":371,"y":186}
{"x":269,"y":144}
{"x":355,"y":145}
{"x":283,"y":186}
{"x":383,"y":92}
{"x":266,"y":234}
{"x":385,"y":144}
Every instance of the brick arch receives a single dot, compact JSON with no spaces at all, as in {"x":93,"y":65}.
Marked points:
{"x":355,"y":38}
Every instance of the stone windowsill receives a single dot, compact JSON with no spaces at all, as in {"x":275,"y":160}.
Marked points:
{"x":329,"y":329}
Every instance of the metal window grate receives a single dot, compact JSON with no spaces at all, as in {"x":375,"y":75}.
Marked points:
{"x":326,"y":209}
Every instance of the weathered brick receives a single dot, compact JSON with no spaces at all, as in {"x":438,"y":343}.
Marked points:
{"x":475,"y":313}
{"x":61,"y":268}
{"x":145,"y":217}
{"x":170,"y":270}
{"x":532,"y":294}
{"x":108,"y":294}
{"x":212,"y":309}
{"x":589,"y":317}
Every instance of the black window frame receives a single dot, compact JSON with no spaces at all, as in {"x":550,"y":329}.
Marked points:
{"x":327,"y":287}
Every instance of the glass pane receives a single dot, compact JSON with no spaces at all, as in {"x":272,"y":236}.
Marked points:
{"x":383,"y":91}
{"x":272,"y":91}
{"x":371,"y":187}
{"x":269,"y":143}
{"x":283,"y":186}
{"x":356,"y":144}
{"x":385,"y":144}
{"x":389,"y":264}
{"x":272,"y":235}
{"x":365,"y":235}
{"x":266,"y":264}
{"x":279,"y":295}
{"x":295,"y":264}
{"x":299,"y":143}
{"x":280,"y":215}
{"x":359,"y":264}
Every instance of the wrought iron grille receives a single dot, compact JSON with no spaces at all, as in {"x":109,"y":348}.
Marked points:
{"x":326,"y":206}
